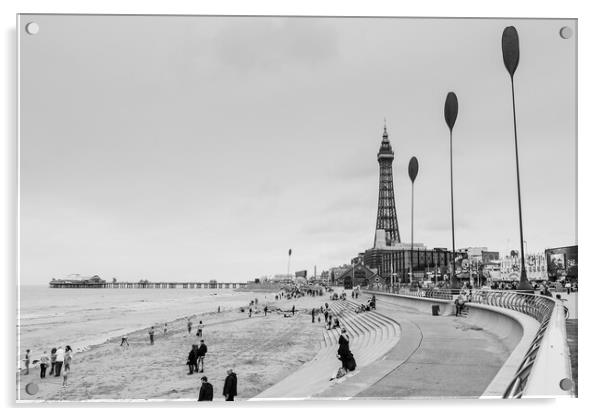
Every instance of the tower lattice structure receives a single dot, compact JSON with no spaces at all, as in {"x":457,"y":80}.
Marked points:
{"x":386,"y":218}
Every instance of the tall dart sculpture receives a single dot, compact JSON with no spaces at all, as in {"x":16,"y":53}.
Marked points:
{"x":413,"y":172}
{"x":510,"y":52}
{"x":451,"y":113}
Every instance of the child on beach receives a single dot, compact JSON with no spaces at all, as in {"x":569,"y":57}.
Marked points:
{"x":65,"y":376}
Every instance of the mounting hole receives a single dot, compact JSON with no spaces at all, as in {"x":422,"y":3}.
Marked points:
{"x":31,"y":388}
{"x":566,"y":384}
{"x":566,"y":32}
{"x":32,"y":28}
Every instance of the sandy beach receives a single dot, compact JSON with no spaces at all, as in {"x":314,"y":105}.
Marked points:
{"x":262,"y":350}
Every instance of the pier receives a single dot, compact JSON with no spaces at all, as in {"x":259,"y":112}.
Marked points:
{"x":57,"y":284}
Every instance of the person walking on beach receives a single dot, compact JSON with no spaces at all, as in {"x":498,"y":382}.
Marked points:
{"x":165,"y":329}
{"x":151,"y":335}
{"x":206,"y":391}
{"x":44,"y":361}
{"x":293,"y":310}
{"x":52,"y":361}
{"x":218,"y":308}
{"x":189,"y":325}
{"x":230,"y":386}
{"x":201,"y":356}
{"x":265,"y":310}
{"x":191,"y":359}
{"x":68,"y":357}
{"x":313,"y":315}
{"x":199,"y":331}
{"x":60,"y":357}
{"x":26,"y":362}
{"x":250,"y":311}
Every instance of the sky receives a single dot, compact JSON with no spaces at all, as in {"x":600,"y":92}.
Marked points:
{"x":197,"y":148}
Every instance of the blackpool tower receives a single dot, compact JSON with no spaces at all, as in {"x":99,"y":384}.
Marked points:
{"x":387,"y":231}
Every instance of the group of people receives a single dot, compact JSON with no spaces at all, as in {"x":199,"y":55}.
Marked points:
{"x":59,"y":360}
{"x":196,"y":356}
{"x":229,"y":390}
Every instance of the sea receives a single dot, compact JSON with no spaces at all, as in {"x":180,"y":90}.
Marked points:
{"x":81,"y":318}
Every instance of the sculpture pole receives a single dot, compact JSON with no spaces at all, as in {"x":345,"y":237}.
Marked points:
{"x":412,"y":172}
{"x":510,"y":52}
{"x":451,"y":113}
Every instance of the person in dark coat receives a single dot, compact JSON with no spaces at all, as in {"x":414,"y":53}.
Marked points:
{"x":206,"y":391}
{"x":344,"y":354}
{"x":191,"y":359}
{"x":201,"y":351}
{"x":230,"y":386}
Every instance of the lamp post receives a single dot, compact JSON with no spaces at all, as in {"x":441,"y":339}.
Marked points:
{"x":288,"y":268}
{"x":510,"y":53}
{"x":412,"y":172}
{"x":451,"y":113}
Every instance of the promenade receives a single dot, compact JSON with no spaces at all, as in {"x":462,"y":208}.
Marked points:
{"x":417,"y":356}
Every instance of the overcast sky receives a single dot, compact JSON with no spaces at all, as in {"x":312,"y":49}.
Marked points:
{"x":192,"y":148}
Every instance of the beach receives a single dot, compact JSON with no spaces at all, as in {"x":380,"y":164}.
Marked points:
{"x":261,"y":350}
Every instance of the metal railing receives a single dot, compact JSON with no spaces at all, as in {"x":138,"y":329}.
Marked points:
{"x":542,"y":308}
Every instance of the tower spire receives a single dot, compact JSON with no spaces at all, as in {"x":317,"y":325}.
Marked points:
{"x":387,"y":230}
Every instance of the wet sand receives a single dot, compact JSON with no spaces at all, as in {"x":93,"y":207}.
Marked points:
{"x":261,"y":350}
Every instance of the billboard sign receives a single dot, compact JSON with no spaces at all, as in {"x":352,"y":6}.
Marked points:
{"x":562,"y":263}
{"x":302,"y":273}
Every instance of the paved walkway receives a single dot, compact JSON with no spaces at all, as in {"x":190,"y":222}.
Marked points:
{"x":437,"y":357}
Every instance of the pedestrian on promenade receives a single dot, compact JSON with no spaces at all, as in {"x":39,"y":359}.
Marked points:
{"x":192,"y":357}
{"x":189,"y":325}
{"x":206,"y":391}
{"x":201,"y":352}
{"x":60,"y":357}
{"x":151,"y":335}
{"x":26,"y":362}
{"x":52,"y":361}
{"x":44,"y":361}
{"x":230,"y":386}
{"x":68,"y":357}
{"x":344,"y":353}
{"x":459,"y":304}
